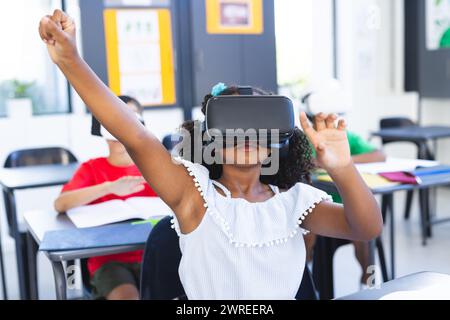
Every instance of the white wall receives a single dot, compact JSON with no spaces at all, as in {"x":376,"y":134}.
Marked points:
{"x":322,"y":42}
{"x":370,"y":55}
{"x":371,"y":66}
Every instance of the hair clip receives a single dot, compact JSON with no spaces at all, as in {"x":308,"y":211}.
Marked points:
{"x":218,"y":89}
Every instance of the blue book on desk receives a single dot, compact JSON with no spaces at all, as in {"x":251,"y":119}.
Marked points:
{"x":424,"y":175}
{"x":431,"y":174}
{"x":115,"y":235}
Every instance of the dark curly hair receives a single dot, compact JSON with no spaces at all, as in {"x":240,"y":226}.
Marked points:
{"x":295,"y":167}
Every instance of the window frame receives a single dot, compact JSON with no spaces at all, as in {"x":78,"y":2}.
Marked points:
{"x":68,"y":93}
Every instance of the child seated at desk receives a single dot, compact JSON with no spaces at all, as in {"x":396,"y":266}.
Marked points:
{"x":362,"y":152}
{"x":113,"y":277}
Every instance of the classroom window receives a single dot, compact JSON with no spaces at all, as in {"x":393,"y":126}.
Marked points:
{"x":26,"y":70}
{"x":294,"y":32}
{"x":304,"y":39}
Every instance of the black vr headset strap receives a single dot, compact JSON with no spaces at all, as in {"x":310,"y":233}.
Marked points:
{"x":245,"y":91}
{"x":283,"y":148}
{"x":96,"y":127}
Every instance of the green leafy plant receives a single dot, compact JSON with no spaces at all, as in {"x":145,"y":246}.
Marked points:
{"x":21,"y":89}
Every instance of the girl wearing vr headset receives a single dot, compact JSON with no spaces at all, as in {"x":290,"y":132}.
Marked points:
{"x":241,"y":238}
{"x":113,"y":277}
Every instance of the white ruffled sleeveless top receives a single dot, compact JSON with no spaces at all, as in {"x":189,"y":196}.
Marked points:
{"x":243,"y":250}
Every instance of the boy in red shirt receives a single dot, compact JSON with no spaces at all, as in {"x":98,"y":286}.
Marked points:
{"x":113,"y":277}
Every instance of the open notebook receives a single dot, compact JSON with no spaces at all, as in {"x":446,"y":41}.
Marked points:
{"x":373,"y":181}
{"x":144,"y":208}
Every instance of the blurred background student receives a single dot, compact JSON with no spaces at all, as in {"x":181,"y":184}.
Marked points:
{"x":113,"y":277}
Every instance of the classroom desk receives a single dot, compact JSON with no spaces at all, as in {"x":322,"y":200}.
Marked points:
{"x":388,"y":195}
{"x":418,"y":281}
{"x":28,"y":178}
{"x":420,"y":135}
{"x":38,"y":223}
{"x":416,"y":134}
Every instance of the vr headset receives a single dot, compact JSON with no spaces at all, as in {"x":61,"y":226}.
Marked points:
{"x":270,"y":119}
{"x":98,"y":130}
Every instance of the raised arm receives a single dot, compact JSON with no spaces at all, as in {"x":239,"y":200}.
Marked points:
{"x":360,"y":217}
{"x":169,"y":180}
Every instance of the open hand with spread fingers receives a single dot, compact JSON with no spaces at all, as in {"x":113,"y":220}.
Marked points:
{"x":329,"y":140}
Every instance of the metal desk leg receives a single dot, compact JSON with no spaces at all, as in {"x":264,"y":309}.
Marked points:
{"x":2,"y":271}
{"x":32,"y":248}
{"x":382,"y":258}
{"x":428,"y":210}
{"x":426,"y":154}
{"x":386,"y":205}
{"x":423,"y":194}
{"x":390,"y":208}
{"x":60,"y":280}
{"x":20,"y":245}
{"x":2,"y":266}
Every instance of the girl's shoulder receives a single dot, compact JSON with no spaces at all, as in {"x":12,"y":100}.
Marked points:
{"x":303,"y":196}
{"x":301,"y":187}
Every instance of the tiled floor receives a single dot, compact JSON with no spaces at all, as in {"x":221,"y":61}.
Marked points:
{"x":411,"y":255}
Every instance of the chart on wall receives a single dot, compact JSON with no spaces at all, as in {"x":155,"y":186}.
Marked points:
{"x":234,"y":16}
{"x":438,"y":24}
{"x":140,"y":54}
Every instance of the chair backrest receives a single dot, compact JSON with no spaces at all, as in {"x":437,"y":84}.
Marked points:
{"x":307,"y":289}
{"x":39,"y":156}
{"x":396,"y":122}
{"x":170,"y":141}
{"x":159,"y":272}
{"x":393,"y":123}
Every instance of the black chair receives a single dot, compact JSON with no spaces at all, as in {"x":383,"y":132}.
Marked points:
{"x":39,"y":156}
{"x":423,"y":151}
{"x":162,"y":255}
{"x":170,"y":141}
{"x":33,"y":157}
{"x":324,"y":251}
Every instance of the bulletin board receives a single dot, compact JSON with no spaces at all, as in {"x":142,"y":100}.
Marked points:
{"x":437,"y":24}
{"x":234,"y":16}
{"x":140,"y":58}
{"x":427,"y":48}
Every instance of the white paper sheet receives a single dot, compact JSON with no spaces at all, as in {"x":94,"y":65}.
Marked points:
{"x":118,"y":210}
{"x":394,"y":165}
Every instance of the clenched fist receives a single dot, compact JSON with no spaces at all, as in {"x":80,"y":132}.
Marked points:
{"x":58,"y":31}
